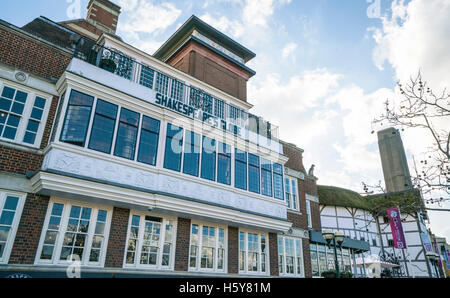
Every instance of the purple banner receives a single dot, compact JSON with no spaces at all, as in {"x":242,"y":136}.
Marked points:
{"x":436,"y":250}
{"x":396,"y":228}
{"x":448,"y":259}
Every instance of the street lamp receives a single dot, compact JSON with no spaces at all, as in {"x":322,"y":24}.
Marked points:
{"x":338,"y":237}
{"x":433,"y":259}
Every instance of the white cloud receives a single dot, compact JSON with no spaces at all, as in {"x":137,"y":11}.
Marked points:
{"x":223,"y":24}
{"x":416,"y":36}
{"x":143,"y":16}
{"x":288,"y":49}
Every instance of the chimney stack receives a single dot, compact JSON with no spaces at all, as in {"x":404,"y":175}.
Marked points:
{"x":104,"y":15}
{"x":393,"y":160}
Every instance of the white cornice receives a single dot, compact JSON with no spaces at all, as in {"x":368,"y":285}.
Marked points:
{"x":63,"y":186}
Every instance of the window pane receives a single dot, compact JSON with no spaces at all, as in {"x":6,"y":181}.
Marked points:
{"x":103,"y":126}
{"x":266,"y":177}
{"x":11,"y":203}
{"x":174,"y":143}
{"x":208,"y":159}
{"x":224,"y":164}
{"x":148,"y":144}
{"x":253,"y":173}
{"x":240,"y":169}
{"x":127,"y":134}
{"x":191,"y":154}
{"x":77,"y":118}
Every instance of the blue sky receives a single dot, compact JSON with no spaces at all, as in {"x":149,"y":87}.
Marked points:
{"x":324,"y":67}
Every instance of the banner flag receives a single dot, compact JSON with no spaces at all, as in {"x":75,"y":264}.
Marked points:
{"x":396,"y":228}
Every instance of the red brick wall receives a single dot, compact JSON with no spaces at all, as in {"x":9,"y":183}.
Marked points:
{"x":315,"y":216}
{"x":233,"y":250}
{"x":117,"y":241}
{"x":16,"y":161}
{"x":98,"y":14}
{"x":307,"y":258}
{"x":295,"y":161}
{"x":273,"y":254}
{"x":31,"y":55}
{"x":29,"y":231}
{"x":182,"y":247}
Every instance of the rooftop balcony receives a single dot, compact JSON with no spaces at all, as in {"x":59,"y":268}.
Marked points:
{"x":116,"y":70}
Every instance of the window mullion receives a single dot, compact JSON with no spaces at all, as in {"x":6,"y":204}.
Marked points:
{"x":61,"y":233}
{"x":91,"y":123}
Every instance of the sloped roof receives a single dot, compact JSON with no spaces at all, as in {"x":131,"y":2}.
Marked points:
{"x":336,"y":196}
{"x":195,"y":23}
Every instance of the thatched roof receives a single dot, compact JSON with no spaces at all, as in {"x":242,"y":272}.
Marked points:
{"x":336,"y":196}
{"x":408,"y":201}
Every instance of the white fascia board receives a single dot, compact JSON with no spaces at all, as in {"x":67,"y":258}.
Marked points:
{"x":50,"y":184}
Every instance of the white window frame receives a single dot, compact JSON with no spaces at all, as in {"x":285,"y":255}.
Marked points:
{"x":197,"y":267}
{"x":15,"y":224}
{"x":296,"y":256}
{"x":267,"y":260}
{"x":26,"y":114}
{"x":55,"y":260}
{"x":291,"y":193}
{"x":308,"y":212}
{"x":158,"y":266}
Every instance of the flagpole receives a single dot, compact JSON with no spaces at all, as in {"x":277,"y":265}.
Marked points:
{"x":406,"y":246}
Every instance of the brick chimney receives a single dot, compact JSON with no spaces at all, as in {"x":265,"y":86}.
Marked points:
{"x":104,"y":15}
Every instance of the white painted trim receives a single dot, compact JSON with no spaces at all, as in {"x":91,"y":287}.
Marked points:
{"x":4,"y":193}
{"x":26,"y":114}
{"x":200,"y":245}
{"x":138,"y":250}
{"x":48,"y":183}
{"x":145,"y":58}
{"x":63,"y":229}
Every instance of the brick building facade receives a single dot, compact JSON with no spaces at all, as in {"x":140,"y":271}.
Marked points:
{"x":88,"y":166}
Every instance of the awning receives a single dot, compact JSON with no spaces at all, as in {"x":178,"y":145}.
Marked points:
{"x":357,"y":246}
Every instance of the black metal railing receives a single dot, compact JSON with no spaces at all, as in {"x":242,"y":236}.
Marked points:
{"x":128,"y":68}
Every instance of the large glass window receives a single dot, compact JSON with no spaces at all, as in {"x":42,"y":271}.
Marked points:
{"x":308,"y":213}
{"x":162,"y":83}
{"x":75,"y":230}
{"x":147,"y":76}
{"x":240,"y":169}
{"x":291,"y":193}
{"x":224,"y":164}
{"x":314,"y":259}
{"x":253,"y":173}
{"x":177,"y":90}
{"x":266,"y":177}
{"x":35,"y":120}
{"x":151,"y":242}
{"x":208,"y":159}
{"x":207,"y":248}
{"x":103,"y":126}
{"x":77,"y":118}
{"x":253,"y":255}
{"x":290,"y":256}
{"x":278,"y":181}
{"x":174,"y":143}
{"x":12,"y":104}
{"x":127,"y":134}
{"x":148,"y":143}
{"x":10,"y":210}
{"x":191,"y":153}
